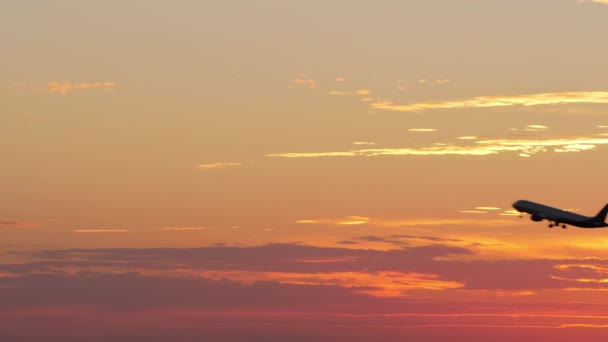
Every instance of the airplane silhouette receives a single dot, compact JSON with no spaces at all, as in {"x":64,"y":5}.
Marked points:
{"x":557,"y":217}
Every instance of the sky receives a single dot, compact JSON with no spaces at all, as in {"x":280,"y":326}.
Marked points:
{"x":312,"y":171}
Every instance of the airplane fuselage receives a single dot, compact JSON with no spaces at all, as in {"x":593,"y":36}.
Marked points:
{"x":541,"y":212}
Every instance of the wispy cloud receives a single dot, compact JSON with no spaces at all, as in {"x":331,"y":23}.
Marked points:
{"x":595,"y":1}
{"x":305,"y":81}
{"x":479,"y":210}
{"x":510,"y":213}
{"x":440,"y":81}
{"x":62,"y":88}
{"x":18,"y":224}
{"x":536,"y":128}
{"x":500,"y":101}
{"x":218,"y":165}
{"x":359,"y":92}
{"x":363,"y":143}
{"x":183,"y":228}
{"x":350,"y":220}
{"x":422,"y":130}
{"x":380,"y":222}
{"x":525,"y":148}
{"x":100,"y":230}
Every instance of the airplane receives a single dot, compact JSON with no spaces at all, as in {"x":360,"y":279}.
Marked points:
{"x":557,"y":217}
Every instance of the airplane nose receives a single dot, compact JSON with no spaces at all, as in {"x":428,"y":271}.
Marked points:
{"x":516,"y":205}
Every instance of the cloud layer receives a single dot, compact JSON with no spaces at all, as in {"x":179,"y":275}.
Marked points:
{"x":218,"y":290}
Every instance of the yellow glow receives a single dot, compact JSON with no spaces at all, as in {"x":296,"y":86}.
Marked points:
{"x":307,"y":221}
{"x":422,"y":130}
{"x":350,"y":220}
{"x":354,"y":220}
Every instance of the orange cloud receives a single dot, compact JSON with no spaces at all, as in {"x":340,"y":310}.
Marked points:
{"x":63,"y":88}
{"x":377,"y":284}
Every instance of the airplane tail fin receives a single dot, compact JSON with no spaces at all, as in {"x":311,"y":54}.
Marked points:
{"x":601,"y":216}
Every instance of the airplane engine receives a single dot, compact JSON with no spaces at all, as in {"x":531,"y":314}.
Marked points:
{"x":536,"y":218}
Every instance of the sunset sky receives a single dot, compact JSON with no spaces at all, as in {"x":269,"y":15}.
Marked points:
{"x":312,"y":170}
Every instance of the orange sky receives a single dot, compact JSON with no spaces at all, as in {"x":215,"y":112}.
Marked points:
{"x":360,"y":155}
